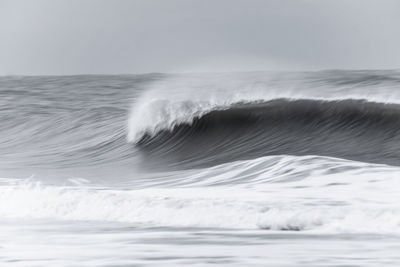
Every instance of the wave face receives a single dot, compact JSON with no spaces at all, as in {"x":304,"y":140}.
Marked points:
{"x":180,"y":99}
{"x":350,"y":129}
{"x":315,"y":151}
{"x":206,"y":120}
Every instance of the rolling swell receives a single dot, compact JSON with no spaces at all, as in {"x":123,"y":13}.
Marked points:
{"x":350,"y":129}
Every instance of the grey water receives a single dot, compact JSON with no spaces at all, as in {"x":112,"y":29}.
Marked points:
{"x":238,"y":169}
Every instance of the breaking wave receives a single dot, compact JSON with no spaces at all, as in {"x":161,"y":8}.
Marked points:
{"x":351,"y":129}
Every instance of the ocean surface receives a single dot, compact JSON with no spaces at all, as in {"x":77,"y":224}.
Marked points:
{"x":231,"y":169}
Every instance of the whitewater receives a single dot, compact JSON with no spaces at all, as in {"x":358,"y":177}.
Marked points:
{"x":233,"y":169}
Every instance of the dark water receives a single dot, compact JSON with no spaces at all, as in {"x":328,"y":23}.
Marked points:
{"x":350,"y":129}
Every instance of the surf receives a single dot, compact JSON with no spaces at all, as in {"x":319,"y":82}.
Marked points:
{"x":266,"y":193}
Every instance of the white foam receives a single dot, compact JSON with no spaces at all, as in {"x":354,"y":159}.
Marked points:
{"x":358,"y":199}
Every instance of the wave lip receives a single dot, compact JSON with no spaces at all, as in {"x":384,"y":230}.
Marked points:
{"x":157,"y":115}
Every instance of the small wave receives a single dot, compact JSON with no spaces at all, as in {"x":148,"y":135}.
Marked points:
{"x":353,"y":197}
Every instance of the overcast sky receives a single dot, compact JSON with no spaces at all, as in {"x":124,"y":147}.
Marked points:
{"x":139,"y":36}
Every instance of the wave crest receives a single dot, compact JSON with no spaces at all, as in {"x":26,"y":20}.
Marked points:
{"x":350,"y":129}
{"x":179,"y":99}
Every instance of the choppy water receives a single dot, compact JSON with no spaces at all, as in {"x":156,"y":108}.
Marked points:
{"x":235,"y":169}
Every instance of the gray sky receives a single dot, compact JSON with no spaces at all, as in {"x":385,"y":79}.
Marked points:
{"x":138,"y":36}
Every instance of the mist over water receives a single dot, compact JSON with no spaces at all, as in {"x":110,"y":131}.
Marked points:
{"x":169,"y":162}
